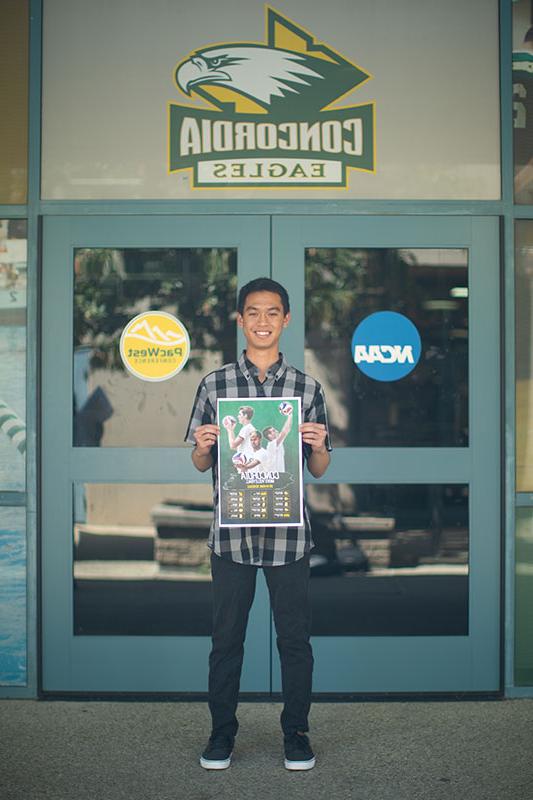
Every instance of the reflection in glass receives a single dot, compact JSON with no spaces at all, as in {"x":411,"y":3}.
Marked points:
{"x":13,"y":279}
{"x":389,"y":560}
{"x":141,"y":561}
{"x":12,"y":597}
{"x":112,"y":407}
{"x":14,"y":68}
{"x":524,"y":355}
{"x":524,"y":597}
{"x":428,"y":407}
{"x":523,"y":101}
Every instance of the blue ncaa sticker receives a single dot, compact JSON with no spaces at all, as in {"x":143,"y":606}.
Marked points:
{"x":386,"y":346}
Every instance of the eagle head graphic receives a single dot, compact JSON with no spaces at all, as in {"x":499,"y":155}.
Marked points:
{"x":268,"y":75}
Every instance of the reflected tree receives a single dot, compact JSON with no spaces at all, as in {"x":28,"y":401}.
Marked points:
{"x":429,"y":406}
{"x":344,"y":286}
{"x":198,"y":285}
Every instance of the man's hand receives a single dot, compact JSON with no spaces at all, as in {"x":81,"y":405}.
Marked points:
{"x":314,"y":434}
{"x":286,"y":427}
{"x":205,"y":437}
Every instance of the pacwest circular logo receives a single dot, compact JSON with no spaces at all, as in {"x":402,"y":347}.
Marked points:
{"x":154,"y":346}
{"x":273,"y":125}
{"x":386,"y":346}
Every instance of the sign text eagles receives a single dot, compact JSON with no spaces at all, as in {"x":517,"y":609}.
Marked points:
{"x":270,"y":126}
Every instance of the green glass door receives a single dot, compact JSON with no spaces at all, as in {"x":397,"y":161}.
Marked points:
{"x":126,"y":582}
{"x":406,"y":522}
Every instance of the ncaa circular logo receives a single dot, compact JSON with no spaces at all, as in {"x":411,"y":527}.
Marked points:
{"x":154,"y":346}
{"x":386,"y":346}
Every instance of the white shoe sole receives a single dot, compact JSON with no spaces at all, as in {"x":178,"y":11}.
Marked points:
{"x":207,"y":764}
{"x":300,"y":765}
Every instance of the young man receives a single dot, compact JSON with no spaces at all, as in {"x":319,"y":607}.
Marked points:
{"x":258,"y":457}
{"x":282,"y":553}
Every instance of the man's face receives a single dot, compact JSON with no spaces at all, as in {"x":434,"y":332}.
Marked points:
{"x":263,"y":320}
{"x":255,"y":439}
{"x":271,"y":434}
{"x":242,"y":418}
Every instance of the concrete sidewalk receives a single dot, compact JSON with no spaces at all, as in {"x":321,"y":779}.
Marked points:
{"x":366,"y":751}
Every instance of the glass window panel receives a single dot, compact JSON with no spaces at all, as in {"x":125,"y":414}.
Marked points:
{"x":524,"y":597}
{"x":14,"y":39}
{"x":13,"y":663}
{"x":524,"y":354}
{"x":428,"y":407}
{"x":141,"y":561}
{"x":523,"y":100}
{"x":437,"y":106}
{"x":389,"y":560}
{"x":112,"y":407}
{"x":13,"y":249}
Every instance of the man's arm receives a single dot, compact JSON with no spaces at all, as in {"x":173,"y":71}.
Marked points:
{"x":316,"y":435}
{"x":285,"y":430}
{"x":318,"y":462}
{"x":202,"y":431}
{"x":234,"y":441}
{"x":205,"y":437}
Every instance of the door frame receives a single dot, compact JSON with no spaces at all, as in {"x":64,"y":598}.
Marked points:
{"x":126,"y":663}
{"x":63,"y":658}
{"x":442,"y":663}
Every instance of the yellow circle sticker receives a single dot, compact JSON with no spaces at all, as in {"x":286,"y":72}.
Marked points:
{"x":154,"y":346}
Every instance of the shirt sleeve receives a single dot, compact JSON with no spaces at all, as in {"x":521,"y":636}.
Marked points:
{"x":202,"y":413}
{"x":245,"y":432}
{"x":317,"y":412}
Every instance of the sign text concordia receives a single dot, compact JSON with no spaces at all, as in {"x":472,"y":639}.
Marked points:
{"x":290,"y":141}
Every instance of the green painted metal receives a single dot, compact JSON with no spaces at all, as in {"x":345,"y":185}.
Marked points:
{"x":511,"y":213}
{"x":523,"y":212}
{"x":13,"y":211}
{"x":13,"y":498}
{"x":253,"y":206}
{"x":106,"y":663}
{"x":417,"y":664}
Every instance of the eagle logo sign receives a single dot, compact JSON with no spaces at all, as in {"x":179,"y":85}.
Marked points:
{"x":271,"y":118}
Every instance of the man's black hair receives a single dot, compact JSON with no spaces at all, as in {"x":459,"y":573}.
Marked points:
{"x":263,"y":285}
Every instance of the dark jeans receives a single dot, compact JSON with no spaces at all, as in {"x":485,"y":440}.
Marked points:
{"x":233,"y":593}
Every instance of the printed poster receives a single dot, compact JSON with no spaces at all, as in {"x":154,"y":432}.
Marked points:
{"x":260,"y":462}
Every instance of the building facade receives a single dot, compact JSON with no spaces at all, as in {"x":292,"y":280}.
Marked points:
{"x":375,"y":158}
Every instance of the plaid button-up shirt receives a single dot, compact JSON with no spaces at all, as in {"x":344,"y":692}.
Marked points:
{"x":272,"y":546}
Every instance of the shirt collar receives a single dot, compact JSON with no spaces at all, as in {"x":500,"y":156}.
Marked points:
{"x":249,"y":370}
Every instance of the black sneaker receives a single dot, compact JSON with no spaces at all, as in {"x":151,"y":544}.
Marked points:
{"x":217,"y":754}
{"x":298,"y":753}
